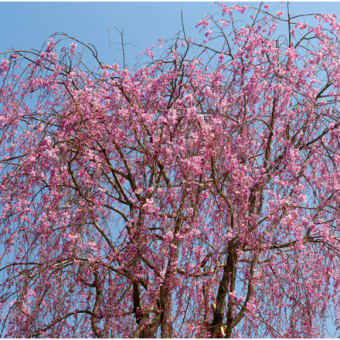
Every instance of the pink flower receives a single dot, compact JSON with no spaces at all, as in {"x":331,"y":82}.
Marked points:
{"x":168,"y":236}
{"x":138,"y":191}
{"x":149,"y":53}
{"x":188,"y":98}
{"x":279,"y":13}
{"x":149,"y":206}
{"x":232,"y":295}
{"x":229,"y":236}
{"x":226,"y":10}
{"x":300,"y":25}
{"x":73,"y":47}
{"x":73,"y":237}
{"x":224,"y":22}
{"x":4,"y":65}
{"x":239,"y":8}
{"x":50,"y":45}
{"x":291,"y":53}
{"x":205,"y":23}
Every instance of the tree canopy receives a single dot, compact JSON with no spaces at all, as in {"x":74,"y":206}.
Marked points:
{"x":196,"y":195}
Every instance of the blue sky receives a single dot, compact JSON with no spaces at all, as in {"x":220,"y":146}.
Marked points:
{"x":25,"y":25}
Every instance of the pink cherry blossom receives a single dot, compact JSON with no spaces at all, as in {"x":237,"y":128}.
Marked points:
{"x":196,"y":195}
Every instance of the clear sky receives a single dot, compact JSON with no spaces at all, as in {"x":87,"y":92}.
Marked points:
{"x":25,"y":25}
